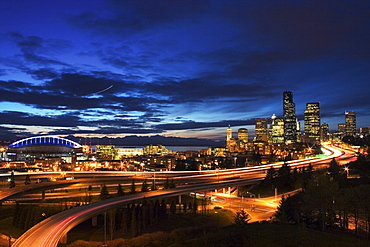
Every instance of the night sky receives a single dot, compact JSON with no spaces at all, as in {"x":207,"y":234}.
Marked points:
{"x":178,"y":68}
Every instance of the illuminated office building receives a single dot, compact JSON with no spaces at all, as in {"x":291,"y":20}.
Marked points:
{"x":290,"y":119}
{"x":276,"y":130}
{"x":243,"y":135}
{"x":261,"y":129}
{"x":312,"y":120}
{"x":231,"y":144}
{"x":229,"y":134}
{"x":365,"y":130}
{"x":350,"y":123}
{"x":342,"y":127}
{"x":324,"y":132}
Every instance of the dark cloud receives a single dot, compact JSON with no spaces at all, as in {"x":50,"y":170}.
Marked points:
{"x":201,"y":89}
{"x":22,"y":118}
{"x":3,"y":72}
{"x":310,"y":28}
{"x":43,"y":74}
{"x":130,"y":17}
{"x":37,"y":50}
{"x":201,"y":125}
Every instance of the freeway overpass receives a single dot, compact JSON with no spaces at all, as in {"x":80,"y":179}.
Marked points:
{"x":180,"y":177}
{"x":49,"y":232}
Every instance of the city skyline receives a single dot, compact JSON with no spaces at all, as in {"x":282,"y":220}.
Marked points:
{"x":176,"y":68}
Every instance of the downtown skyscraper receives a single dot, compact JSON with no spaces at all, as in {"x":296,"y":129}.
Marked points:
{"x":312,"y":120}
{"x":350,"y":117}
{"x":290,"y":119}
{"x":261,"y":129}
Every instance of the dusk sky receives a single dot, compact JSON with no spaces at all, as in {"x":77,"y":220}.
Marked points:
{"x":178,"y":68}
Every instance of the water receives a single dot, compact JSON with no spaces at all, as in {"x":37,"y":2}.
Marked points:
{"x":185,"y":148}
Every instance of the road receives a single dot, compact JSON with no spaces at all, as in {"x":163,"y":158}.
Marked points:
{"x":180,"y":177}
{"x":49,"y":232}
{"x":259,"y":209}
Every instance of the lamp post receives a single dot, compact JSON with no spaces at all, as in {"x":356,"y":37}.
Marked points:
{"x":347,"y":171}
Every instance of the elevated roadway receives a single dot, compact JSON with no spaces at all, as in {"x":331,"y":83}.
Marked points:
{"x":180,"y":177}
{"x":50,"y":231}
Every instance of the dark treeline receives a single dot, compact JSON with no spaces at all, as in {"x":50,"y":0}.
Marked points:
{"x":357,"y":140}
{"x":26,"y":215}
{"x":285,"y":178}
{"x":332,"y":200}
{"x":135,"y":218}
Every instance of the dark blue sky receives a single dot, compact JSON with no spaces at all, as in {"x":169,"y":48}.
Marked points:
{"x":178,"y":68}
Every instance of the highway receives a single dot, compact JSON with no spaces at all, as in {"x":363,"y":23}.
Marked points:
{"x":50,"y":231}
{"x":180,"y":177}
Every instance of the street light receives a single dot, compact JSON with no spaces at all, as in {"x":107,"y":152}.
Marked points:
{"x":347,"y":171}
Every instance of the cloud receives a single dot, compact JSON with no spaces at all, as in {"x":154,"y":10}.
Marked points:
{"x":22,"y":118}
{"x":310,"y":28}
{"x":36,"y":50}
{"x":198,"y":125}
{"x":130,"y":17}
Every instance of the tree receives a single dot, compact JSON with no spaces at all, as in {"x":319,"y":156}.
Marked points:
{"x":334,"y":169}
{"x":172,"y":184}
{"x":241,"y":218}
{"x":144,"y":186}
{"x":89,"y":189}
{"x":133,"y":187}
{"x":104,"y":194}
{"x":12,"y":180}
{"x":284,"y":177}
{"x":167,"y":184}
{"x":28,"y":180}
{"x":270,"y":174}
{"x":290,"y":209}
{"x":318,"y":200}
{"x":120,"y":191}
{"x":153,"y":187}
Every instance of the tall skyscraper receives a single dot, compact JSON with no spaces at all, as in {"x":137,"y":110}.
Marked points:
{"x":324,"y":132}
{"x":229,"y":134}
{"x":243,"y":135}
{"x":342,"y":127}
{"x":290,"y":119}
{"x":350,"y":123}
{"x":261,"y":129}
{"x":312,"y":120}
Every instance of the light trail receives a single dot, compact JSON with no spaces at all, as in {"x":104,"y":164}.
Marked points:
{"x":49,"y":232}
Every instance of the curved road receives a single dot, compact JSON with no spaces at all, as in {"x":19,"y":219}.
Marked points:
{"x":50,"y":231}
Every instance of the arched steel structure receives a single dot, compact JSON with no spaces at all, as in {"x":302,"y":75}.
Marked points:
{"x":45,"y":140}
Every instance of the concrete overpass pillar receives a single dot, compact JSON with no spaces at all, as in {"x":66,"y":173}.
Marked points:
{"x":180,"y":199}
{"x":94,"y":221}
{"x":63,"y":240}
